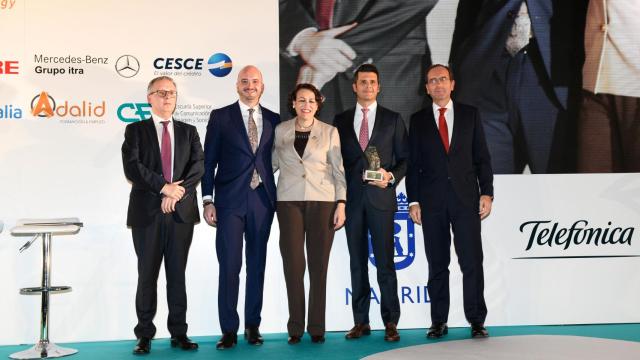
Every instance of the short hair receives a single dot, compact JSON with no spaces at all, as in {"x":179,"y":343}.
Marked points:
{"x":366,"y":68}
{"x":159,"y":78}
{"x":426,"y":74}
{"x":305,"y":86}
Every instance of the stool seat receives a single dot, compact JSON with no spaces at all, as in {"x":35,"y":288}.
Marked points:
{"x":45,"y":228}
{"x":60,"y":226}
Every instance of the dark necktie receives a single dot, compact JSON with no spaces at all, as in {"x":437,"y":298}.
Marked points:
{"x":443,"y":129}
{"x":253,"y":141}
{"x":324,"y":13}
{"x":165,"y":151}
{"x":363,"y":137}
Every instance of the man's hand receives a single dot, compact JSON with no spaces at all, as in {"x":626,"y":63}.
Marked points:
{"x":485,"y":206}
{"x":339,"y":216}
{"x":173,"y":190}
{"x":416,"y":213}
{"x":322,"y":51}
{"x":209,"y":215}
{"x":168,"y":205}
{"x":316,"y":77}
{"x":386,"y":177}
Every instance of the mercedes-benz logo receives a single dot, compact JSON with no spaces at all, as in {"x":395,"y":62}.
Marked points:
{"x":127,"y":66}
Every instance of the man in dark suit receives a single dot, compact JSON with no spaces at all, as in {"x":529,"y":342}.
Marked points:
{"x":519,"y":63}
{"x":450,"y":186}
{"x":371,"y":206}
{"x":163,"y":160}
{"x":323,"y":41}
{"x":238,"y":167}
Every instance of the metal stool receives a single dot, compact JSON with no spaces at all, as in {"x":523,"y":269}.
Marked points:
{"x":45,"y":228}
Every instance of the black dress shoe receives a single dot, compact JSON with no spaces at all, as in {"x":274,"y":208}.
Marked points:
{"x":437,"y":330}
{"x":227,"y":341}
{"x":293,"y":339}
{"x":183,"y":342}
{"x":391,"y":332}
{"x":358,"y":330}
{"x":143,"y":346}
{"x":317,"y":339}
{"x":478,"y":331}
{"x":252,"y":335}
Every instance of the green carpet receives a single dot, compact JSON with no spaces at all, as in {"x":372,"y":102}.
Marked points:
{"x":335,"y":348}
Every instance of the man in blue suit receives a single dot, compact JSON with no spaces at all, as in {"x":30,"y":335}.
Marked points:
{"x":237,"y":163}
{"x":518,"y":62}
{"x":450,"y":187}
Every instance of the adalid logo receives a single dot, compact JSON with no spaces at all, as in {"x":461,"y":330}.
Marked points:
{"x":44,"y":105}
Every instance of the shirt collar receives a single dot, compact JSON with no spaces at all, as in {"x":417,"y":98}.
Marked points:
{"x":157,"y":119}
{"x":244,"y":108}
{"x":372,"y":107}
{"x":436,"y":107}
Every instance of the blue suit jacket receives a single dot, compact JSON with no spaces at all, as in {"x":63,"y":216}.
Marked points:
{"x":229,"y":160}
{"x":467,"y":165}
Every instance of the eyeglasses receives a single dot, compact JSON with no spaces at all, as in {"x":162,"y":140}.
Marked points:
{"x":441,"y":79}
{"x":165,"y":93}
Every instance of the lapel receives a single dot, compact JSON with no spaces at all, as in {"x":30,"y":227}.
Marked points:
{"x":350,"y":123}
{"x":267,"y":129}
{"x":238,"y":123}
{"x":150,"y":130}
{"x":457,"y":126}
{"x":312,"y":144}
{"x":432,"y":129}
{"x":377,"y":125}
{"x":179,"y":139}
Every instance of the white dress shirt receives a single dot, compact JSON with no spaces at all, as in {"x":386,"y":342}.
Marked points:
{"x":157,"y":121}
{"x":448,"y":117}
{"x":371,"y":116}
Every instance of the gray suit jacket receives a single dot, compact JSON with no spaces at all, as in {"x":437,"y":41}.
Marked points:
{"x":316,"y":176}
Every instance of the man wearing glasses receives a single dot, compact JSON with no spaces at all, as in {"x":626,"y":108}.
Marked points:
{"x":163,"y":160}
{"x":450,"y":186}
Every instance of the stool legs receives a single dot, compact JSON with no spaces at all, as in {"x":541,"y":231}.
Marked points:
{"x":43,"y":348}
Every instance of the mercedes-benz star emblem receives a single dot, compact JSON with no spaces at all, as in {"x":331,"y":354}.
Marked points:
{"x":127,"y":66}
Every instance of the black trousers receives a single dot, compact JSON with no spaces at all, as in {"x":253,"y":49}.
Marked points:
{"x":363,"y":218}
{"x":465,"y":223}
{"x":306,"y":224}
{"x":168,"y":239}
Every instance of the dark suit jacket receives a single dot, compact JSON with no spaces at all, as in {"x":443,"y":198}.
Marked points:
{"x":389,"y":136}
{"x":481,"y":31}
{"x":467,"y":166}
{"x":143,"y":167}
{"x":229,"y":159}
{"x":390,"y":34}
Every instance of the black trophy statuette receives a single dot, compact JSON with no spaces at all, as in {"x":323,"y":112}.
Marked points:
{"x":372,"y":173}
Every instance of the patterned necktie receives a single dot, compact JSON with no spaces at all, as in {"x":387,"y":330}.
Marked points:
{"x":165,"y":152}
{"x":253,"y":141}
{"x":324,"y":13}
{"x":363,"y":137}
{"x":520,"y":31}
{"x":443,"y":129}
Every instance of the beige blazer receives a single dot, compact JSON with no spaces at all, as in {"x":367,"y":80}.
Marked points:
{"x":316,"y":176}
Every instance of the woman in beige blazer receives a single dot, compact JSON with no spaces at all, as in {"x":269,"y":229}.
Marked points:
{"x":310,"y":207}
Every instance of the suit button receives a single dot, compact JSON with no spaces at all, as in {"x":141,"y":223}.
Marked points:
{"x":304,"y":175}
{"x":511,"y":14}
{"x":300,"y":161}
{"x":603,"y":27}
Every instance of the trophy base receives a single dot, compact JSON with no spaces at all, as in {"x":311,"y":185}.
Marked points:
{"x":372,"y":175}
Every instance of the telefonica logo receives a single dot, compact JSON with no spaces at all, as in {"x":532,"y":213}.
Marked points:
{"x":592,"y":241}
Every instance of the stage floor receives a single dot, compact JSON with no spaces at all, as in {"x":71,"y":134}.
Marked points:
{"x":336,"y":347}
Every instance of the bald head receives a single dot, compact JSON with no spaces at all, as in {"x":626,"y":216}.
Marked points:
{"x":249,"y":85}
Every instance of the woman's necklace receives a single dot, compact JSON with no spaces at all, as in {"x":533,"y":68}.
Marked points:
{"x":305,"y":127}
